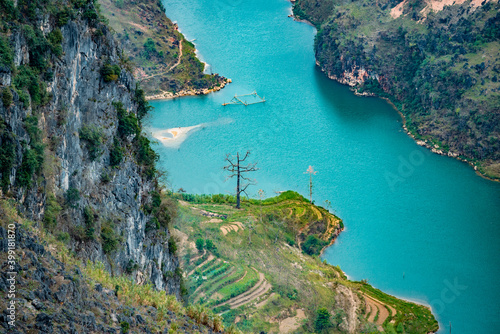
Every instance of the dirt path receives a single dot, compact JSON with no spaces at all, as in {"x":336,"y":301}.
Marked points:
{"x":375,"y":306}
{"x":243,"y":295}
{"x":262,"y":303}
{"x":263,"y":289}
{"x":209,"y":258}
{"x":233,"y":226}
{"x":291,"y":324}
{"x":171,"y":67}
{"x":197,"y":257}
{"x":226,"y":275}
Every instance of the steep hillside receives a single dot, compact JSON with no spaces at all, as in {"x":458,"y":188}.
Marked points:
{"x":438,"y":64}
{"x":44,"y":289}
{"x":165,"y":62}
{"x":72,"y":151}
{"x":259,"y":268}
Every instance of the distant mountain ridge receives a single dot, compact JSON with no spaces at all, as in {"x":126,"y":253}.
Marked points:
{"x":438,"y":62}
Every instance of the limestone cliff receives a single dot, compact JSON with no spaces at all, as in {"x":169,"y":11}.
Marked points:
{"x":68,"y":154}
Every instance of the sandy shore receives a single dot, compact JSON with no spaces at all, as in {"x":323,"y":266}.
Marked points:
{"x":174,"y":137}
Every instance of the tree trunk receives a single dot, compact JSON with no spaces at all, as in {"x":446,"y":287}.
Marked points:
{"x":238,"y":181}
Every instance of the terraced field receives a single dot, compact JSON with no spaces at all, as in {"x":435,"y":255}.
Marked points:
{"x":254,"y":269}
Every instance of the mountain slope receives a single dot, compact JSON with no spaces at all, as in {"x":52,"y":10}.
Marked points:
{"x":259,"y":268}
{"x":72,"y":151}
{"x":439,"y":65}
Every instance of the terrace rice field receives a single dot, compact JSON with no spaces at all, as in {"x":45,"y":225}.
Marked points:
{"x":254,"y":270}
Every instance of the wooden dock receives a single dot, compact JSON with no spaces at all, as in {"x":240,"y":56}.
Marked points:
{"x":240,"y":99}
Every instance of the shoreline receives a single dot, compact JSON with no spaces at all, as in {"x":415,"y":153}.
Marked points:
{"x":421,"y":142}
{"x":190,"y":92}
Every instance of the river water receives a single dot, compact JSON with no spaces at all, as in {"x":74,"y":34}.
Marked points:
{"x":418,"y":225}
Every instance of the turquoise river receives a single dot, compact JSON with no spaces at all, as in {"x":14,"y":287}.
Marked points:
{"x":420,"y":226}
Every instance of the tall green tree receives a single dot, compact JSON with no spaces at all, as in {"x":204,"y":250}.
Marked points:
{"x":322,"y":321}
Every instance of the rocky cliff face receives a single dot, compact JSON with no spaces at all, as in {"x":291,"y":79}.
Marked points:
{"x":55,"y":297}
{"x":98,"y":209}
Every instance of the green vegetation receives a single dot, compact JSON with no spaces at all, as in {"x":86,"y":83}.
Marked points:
{"x":89,"y":219}
{"x":7,"y":155}
{"x":6,"y":97}
{"x":313,"y":245}
{"x":127,"y":121}
{"x":94,"y":138}
{"x":200,"y":244}
{"x":322,"y":321}
{"x":110,"y":239}
{"x":72,"y":196}
{"x":52,"y":210}
{"x":116,"y":153}
{"x":272,"y":276}
{"x":440,"y":69}
{"x":110,"y":72}
{"x":128,"y":292}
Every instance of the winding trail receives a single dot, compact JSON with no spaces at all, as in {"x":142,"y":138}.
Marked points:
{"x":170,"y":68}
{"x":256,"y":291}
{"x":209,"y":258}
{"x":376,"y":306}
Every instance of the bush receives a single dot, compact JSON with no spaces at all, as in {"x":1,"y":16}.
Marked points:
{"x":64,"y":16}
{"x":209,"y":244}
{"x":131,"y":266}
{"x":6,"y":97}
{"x":88,"y":216}
{"x":143,"y":106}
{"x":200,"y":244}
{"x":172,"y":245}
{"x":63,"y":236}
{"x":116,"y":153}
{"x":146,"y":156}
{"x":127,"y":122}
{"x":322,"y":321}
{"x":152,"y":224}
{"x":55,"y":39}
{"x":149,"y":48}
{"x":52,"y":210}
{"x":110,"y":72}
{"x":7,"y":155}
{"x":125,"y":326}
{"x":8,"y":9}
{"x":110,"y":240}
{"x":94,"y":137}
{"x":313,"y":245}
{"x":105,"y":177}
{"x":27,"y":79}
{"x":72,"y":197}
{"x":6,"y":54}
{"x":25,"y":173}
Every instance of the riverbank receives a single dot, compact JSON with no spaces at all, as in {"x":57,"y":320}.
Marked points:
{"x":188,"y":92}
{"x":355,"y":81}
{"x":449,"y":115}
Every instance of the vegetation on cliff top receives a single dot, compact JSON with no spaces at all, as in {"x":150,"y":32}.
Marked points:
{"x":251,"y":265}
{"x":441,"y":69}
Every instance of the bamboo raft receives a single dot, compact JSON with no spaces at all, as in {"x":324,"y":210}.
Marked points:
{"x":240,"y":99}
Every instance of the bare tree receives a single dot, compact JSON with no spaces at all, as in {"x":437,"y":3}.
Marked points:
{"x":237,"y":170}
